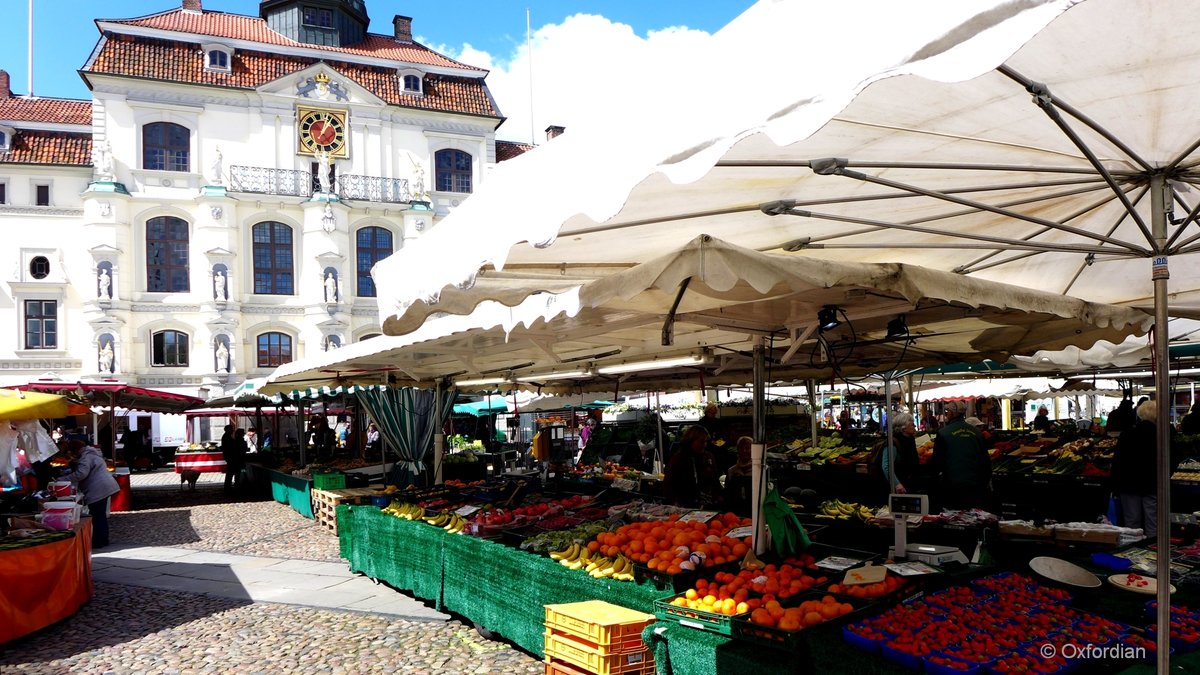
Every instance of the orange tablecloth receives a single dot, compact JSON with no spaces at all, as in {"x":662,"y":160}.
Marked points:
{"x":44,"y":584}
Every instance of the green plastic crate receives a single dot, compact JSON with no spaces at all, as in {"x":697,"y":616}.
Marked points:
{"x":329,"y":481}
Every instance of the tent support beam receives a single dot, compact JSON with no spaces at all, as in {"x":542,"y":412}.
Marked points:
{"x":758,"y":447}
{"x":838,"y":167}
{"x":1029,"y":85}
{"x":784,"y":207}
{"x":668,"y":329}
{"x":1158,"y":188}
{"x":1043,"y":99}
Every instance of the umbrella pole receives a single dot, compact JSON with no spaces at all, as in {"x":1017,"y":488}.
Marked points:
{"x":1159,"y":275}
{"x":886,"y":418}
{"x":813,"y":423}
{"x":757,"y":448}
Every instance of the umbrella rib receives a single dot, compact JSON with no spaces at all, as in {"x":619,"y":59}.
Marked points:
{"x":1174,"y":164}
{"x":1014,"y":243}
{"x":936,"y":166}
{"x":1043,"y":99}
{"x":838,"y":167}
{"x":1039,"y":90}
{"x":1182,"y":224}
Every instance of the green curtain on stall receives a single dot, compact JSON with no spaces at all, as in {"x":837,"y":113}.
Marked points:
{"x":407,"y":420}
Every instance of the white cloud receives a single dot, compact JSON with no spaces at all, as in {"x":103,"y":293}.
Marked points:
{"x":587,"y":71}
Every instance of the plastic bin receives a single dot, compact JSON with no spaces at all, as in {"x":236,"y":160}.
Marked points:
{"x":329,"y":481}
{"x":589,"y":658}
{"x":123,"y":499}
{"x":611,"y":628}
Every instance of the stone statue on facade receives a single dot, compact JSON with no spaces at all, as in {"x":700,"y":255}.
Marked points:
{"x":215,"y":177}
{"x":222,"y":358}
{"x":104,"y":290}
{"x":330,"y":287}
{"x":418,"y":190}
{"x":106,"y":357}
{"x":102,"y":163}
{"x":219,"y":286}
{"x":323,"y":168}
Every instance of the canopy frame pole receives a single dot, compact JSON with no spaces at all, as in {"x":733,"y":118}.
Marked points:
{"x":758,"y":447}
{"x":1004,"y":242}
{"x":891,"y":439}
{"x":813,"y":424}
{"x":668,"y":329}
{"x":1159,"y":275}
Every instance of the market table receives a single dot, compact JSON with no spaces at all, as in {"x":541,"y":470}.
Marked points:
{"x":45,"y":583}
{"x":204,"y":461}
{"x":295,"y":491}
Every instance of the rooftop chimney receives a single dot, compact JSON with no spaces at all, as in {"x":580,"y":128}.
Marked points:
{"x":403,"y":27}
{"x":4,"y":90}
{"x":192,"y":6}
{"x":554,"y":131}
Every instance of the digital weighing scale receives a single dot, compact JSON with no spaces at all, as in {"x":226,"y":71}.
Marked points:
{"x":903,"y":506}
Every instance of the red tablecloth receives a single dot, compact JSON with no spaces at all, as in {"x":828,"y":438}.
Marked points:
{"x":45,"y":584}
{"x":204,"y":462}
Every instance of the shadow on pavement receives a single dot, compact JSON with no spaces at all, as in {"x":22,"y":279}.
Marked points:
{"x":152,"y":528}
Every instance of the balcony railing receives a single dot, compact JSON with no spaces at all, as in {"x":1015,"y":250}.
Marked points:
{"x":373,"y":189}
{"x":270,"y":181}
{"x":301,"y":184}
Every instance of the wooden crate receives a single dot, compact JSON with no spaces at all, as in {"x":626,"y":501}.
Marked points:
{"x":325,"y":503}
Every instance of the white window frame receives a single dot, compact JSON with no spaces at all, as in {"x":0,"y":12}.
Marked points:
{"x":405,"y":72}
{"x":5,"y":194}
{"x":6,"y":141}
{"x":209,"y":49}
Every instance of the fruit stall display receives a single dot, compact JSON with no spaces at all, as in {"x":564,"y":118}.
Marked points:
{"x":998,"y":624}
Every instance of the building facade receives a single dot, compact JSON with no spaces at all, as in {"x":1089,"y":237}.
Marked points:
{"x":215,"y":209}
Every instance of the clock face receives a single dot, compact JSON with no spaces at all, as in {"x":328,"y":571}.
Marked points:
{"x":322,"y":131}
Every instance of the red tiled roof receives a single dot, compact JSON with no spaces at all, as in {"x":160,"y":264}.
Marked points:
{"x":57,"y":110}
{"x":239,"y":27}
{"x":183,"y":62}
{"x":49,"y":147}
{"x":509,"y":149}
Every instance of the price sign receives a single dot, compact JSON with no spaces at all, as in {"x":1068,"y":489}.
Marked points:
{"x":625,"y":484}
{"x":466,"y":511}
{"x":740,"y":532}
{"x":838,"y":563}
{"x":804,"y":467}
{"x":697,"y":516}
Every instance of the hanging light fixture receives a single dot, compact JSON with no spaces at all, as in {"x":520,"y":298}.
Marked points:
{"x":897,"y":328}
{"x":827,"y":318}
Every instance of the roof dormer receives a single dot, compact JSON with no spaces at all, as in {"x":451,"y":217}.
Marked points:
{"x":412,"y":81}
{"x":218,"y":58}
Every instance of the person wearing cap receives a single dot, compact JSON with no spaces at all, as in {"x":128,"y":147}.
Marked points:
{"x":961,"y":460}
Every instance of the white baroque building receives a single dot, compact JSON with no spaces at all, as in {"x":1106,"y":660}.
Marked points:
{"x":214,"y":210}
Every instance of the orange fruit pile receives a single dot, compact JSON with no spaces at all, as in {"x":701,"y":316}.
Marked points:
{"x":671,"y":546}
{"x":890,"y":583}
{"x":717,"y":599}
{"x":782,"y":582}
{"x":807,"y":613}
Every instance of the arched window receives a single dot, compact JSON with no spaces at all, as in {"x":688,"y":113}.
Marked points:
{"x":412,"y":84}
{"x":166,"y":255}
{"x":274,"y":349}
{"x":374,"y":244}
{"x":273,"y":259}
{"x":453,"y":168}
{"x":169,"y":348}
{"x":165,"y":147}
{"x":218,"y":60}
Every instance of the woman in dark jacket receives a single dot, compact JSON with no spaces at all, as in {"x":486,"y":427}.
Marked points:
{"x":908,"y":465}
{"x":1134,"y":471}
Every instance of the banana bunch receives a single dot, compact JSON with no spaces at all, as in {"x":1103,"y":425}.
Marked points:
{"x":406,"y":510}
{"x":577,"y":557}
{"x":450,"y":522}
{"x":837,"y":509}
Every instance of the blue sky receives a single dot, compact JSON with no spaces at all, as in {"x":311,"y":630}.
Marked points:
{"x":487,"y":33}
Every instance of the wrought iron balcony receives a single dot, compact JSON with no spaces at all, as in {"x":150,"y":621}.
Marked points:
{"x":266,"y":181}
{"x":303,"y":184}
{"x":373,"y":189}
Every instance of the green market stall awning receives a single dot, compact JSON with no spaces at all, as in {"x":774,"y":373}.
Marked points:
{"x":483,"y":407}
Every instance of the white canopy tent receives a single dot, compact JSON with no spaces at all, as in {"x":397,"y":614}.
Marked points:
{"x":1049,"y":144}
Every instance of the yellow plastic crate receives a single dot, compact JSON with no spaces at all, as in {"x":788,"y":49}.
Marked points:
{"x":601,"y":623}
{"x":583,"y":655}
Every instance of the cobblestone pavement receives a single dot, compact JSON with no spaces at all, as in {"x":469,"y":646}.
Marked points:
{"x":127,"y":629}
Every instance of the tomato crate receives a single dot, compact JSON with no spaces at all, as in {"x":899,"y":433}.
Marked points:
{"x":611,"y":628}
{"x":693,"y":618}
{"x":329,"y":481}
{"x":561,"y":648}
